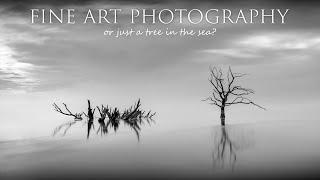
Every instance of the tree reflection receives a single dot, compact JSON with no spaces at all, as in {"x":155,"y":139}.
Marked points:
{"x":226,"y":147}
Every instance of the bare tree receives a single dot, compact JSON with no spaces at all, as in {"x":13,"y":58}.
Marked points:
{"x":225,"y":91}
{"x":90,"y":116}
{"x":66,"y":126}
{"x":103,"y":129}
{"x":134,"y":116}
{"x":77,"y":116}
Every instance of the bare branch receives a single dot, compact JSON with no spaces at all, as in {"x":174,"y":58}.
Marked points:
{"x":212,"y":101}
{"x":77,"y":116}
{"x":243,"y":100}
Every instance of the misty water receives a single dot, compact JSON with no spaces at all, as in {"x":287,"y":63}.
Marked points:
{"x":268,"y":148}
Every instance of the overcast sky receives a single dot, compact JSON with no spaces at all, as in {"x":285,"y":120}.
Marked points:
{"x":41,"y":64}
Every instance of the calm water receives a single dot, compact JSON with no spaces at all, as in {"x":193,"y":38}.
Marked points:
{"x":268,"y":149}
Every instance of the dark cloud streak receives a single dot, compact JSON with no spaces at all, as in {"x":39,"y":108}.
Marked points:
{"x":18,"y":4}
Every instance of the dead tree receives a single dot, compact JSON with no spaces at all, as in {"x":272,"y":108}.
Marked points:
{"x":225,"y":92}
{"x":102,"y":128}
{"x":90,"y":116}
{"x":77,"y":116}
{"x":110,"y":117}
{"x":114,"y":117}
{"x":134,"y":117}
{"x":67,"y":126}
{"x":90,"y":112}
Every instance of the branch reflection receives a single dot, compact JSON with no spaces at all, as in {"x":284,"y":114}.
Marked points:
{"x":228,"y":142}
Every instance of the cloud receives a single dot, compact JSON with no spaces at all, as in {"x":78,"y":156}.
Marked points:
{"x":265,"y":47}
{"x":235,"y":53}
{"x":281,"y":41}
{"x":12,"y":70}
{"x":16,"y":70}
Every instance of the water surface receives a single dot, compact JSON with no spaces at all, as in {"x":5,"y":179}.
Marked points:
{"x":265,"y":149}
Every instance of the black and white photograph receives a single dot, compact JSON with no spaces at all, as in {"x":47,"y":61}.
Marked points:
{"x":159,"y":89}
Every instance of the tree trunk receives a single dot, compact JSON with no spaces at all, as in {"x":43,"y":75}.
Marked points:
{"x":222,"y":116}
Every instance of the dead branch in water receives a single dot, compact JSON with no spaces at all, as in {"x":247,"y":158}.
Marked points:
{"x":77,"y":116}
{"x":110,"y":117}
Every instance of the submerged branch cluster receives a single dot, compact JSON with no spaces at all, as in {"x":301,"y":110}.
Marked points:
{"x":110,"y":118}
